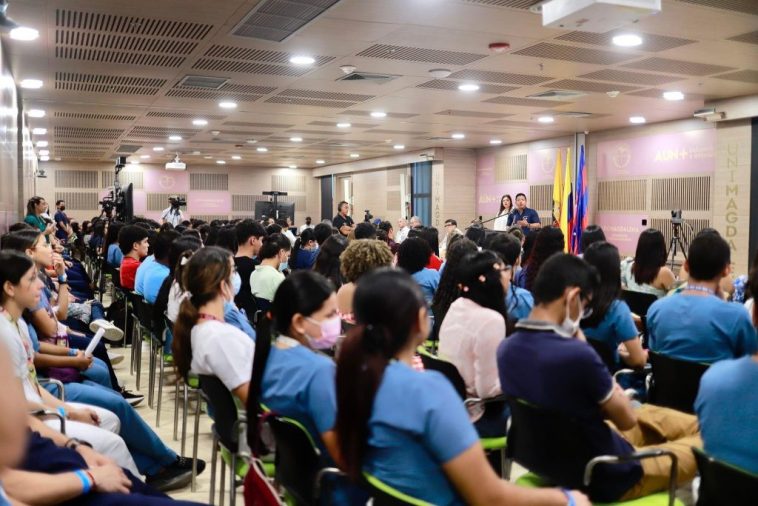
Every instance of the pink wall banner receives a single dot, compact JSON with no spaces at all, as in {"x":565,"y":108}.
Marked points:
{"x":165,"y":181}
{"x":691,"y":152}
{"x":622,"y":230}
{"x":488,"y":193}
{"x":540,"y":164}
{"x":209,"y":202}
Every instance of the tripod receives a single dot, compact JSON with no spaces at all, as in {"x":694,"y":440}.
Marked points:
{"x":676,"y":240}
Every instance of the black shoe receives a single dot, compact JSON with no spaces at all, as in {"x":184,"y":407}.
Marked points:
{"x":171,"y":478}
{"x":186,"y":463}
{"x":132,"y":398}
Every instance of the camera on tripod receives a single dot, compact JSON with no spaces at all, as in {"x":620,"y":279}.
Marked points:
{"x":676,"y":217}
{"x":177,"y":202}
{"x":368,"y":216}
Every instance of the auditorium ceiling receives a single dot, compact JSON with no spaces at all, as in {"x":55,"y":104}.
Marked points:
{"x":123,"y":77}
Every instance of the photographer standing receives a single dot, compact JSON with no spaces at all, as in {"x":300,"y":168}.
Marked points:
{"x":342,"y":221}
{"x":173,"y":214}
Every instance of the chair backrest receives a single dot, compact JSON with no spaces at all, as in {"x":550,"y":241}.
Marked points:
{"x":638,"y":302}
{"x":385,"y":495}
{"x":297,"y":458}
{"x":225,"y":414}
{"x":721,"y":483}
{"x":675,"y":382}
{"x":606,"y":354}
{"x":448,"y":369}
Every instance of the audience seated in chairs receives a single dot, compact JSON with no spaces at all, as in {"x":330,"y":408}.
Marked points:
{"x":448,"y":289}
{"x":328,"y":259}
{"x":359,"y":258}
{"x":471,"y":332}
{"x":150,"y":275}
{"x":413,"y":256}
{"x":548,"y":241}
{"x":647,"y":271}
{"x":518,"y":301}
{"x":547,"y":364}
{"x":409,"y":429}
{"x":250,"y":236}
{"x":133,"y":241}
{"x":267,"y":276}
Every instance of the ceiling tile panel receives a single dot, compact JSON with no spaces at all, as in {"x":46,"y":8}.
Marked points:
{"x":526,"y":102}
{"x":397,"y":115}
{"x":326,"y":95}
{"x":621,"y":76}
{"x":745,"y":76}
{"x":687,"y":68}
{"x":261,"y":125}
{"x":513,"y":4}
{"x":182,"y":115}
{"x":575,"y":54}
{"x":471,"y":114}
{"x":745,"y":6}
{"x":93,"y":83}
{"x":66,"y":132}
{"x":276,"y":20}
{"x":389,"y":52}
{"x":93,"y":116}
{"x":310,"y":102}
{"x":441,"y":84}
{"x":489,"y":76}
{"x":748,"y":38}
{"x":650,"y":42}
{"x":248,"y":67}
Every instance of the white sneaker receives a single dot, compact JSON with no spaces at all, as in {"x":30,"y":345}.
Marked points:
{"x":115,"y":358}
{"x":112,"y":333}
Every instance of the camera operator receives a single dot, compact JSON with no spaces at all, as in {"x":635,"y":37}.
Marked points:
{"x":173,"y":214}
{"x":342,"y":221}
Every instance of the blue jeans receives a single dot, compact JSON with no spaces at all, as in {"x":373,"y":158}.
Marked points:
{"x":149,"y":452}
{"x":98,"y":373}
{"x":101,"y":353}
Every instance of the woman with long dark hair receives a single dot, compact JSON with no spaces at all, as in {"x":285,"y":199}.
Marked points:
{"x":203,"y":342}
{"x":473,"y":328}
{"x":305,"y":250}
{"x":503,"y":220}
{"x":448,"y":289}
{"x":647,"y":271}
{"x":611,"y":320}
{"x":409,"y":429}
{"x":548,"y":242}
{"x":328,"y":259}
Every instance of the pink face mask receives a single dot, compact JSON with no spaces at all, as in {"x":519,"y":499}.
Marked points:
{"x":331,"y":329}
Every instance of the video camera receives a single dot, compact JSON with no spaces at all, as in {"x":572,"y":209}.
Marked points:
{"x":177,"y":202}
{"x":676,"y":217}
{"x":368,"y":216}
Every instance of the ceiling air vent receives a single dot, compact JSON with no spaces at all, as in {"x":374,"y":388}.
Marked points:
{"x":205,"y":82}
{"x":367,"y":76}
{"x":572,"y":114}
{"x":128,"y":148}
{"x":557,"y":95}
{"x":276,"y":20}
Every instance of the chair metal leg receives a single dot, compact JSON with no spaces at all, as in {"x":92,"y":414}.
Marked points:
{"x":176,"y":410}
{"x":160,"y":390}
{"x":214,"y":458}
{"x":150,"y":372}
{"x":134,"y":345}
{"x":222,"y":483}
{"x":185,"y":407}
{"x":139,"y":356}
{"x":233,"y":481}
{"x":195,"y":440}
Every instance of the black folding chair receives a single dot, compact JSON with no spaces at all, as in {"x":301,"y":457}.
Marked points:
{"x":721,"y":483}
{"x":639,"y":303}
{"x":605,"y":353}
{"x":538,"y":436}
{"x":674,"y":383}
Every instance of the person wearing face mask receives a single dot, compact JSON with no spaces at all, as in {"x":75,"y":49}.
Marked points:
{"x":204,"y":343}
{"x":305,"y":251}
{"x":267,"y":277}
{"x":548,"y":364}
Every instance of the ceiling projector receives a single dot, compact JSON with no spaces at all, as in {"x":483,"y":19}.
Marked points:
{"x":176,"y":164}
{"x":597,"y":16}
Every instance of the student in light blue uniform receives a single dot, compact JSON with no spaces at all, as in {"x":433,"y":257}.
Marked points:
{"x":412,"y":256}
{"x":696,"y":324}
{"x":407,"y":428}
{"x":114,"y":256}
{"x":611,"y":320}
{"x":148,"y":282}
{"x":518,"y":301}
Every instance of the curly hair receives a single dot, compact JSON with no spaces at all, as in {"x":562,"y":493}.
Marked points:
{"x":363,"y":255}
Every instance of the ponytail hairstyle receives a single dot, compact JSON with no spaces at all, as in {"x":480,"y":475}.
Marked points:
{"x":179,"y":253}
{"x":480,"y":281}
{"x":202,"y":277}
{"x":305,"y":237}
{"x":386,"y":307}
{"x":302,"y":292}
{"x":272,"y":245}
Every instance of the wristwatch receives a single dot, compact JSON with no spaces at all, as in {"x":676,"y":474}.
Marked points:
{"x":63,"y":280}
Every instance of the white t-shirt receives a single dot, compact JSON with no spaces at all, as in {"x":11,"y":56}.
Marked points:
{"x":303,"y":227}
{"x":175,"y":298}
{"x":222,"y":350}
{"x":175,"y":218}
{"x":19,"y":345}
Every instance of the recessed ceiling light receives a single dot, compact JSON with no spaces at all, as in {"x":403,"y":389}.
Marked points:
{"x":134,"y":162}
{"x":546,"y":119}
{"x":221,"y":162}
{"x":468,"y":87}
{"x":398,"y":146}
{"x":261,"y":149}
{"x":144,"y":157}
{"x":44,"y":158}
{"x":42,"y":144}
{"x":227,"y":104}
{"x":44,"y":152}
{"x":378,"y":114}
{"x":627,"y":40}
{"x":236,"y":157}
{"x":292,"y":166}
{"x":174,"y":137}
{"x":36,"y":113}
{"x":296,"y":139}
{"x":196,"y":153}
{"x":458,"y":136}
{"x":637,"y":120}
{"x":31,"y":84}
{"x":251,"y":141}
{"x":354,"y":155}
{"x":157,"y":148}
{"x":495,"y":142}
{"x":302,"y":60}
{"x":208,"y":157}
{"x":320,"y":162}
{"x":343,"y":125}
{"x":39,"y":131}
{"x":673,"y":95}
{"x":199,"y":122}
{"x":24,"y":33}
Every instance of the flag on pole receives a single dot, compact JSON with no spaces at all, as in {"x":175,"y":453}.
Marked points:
{"x":580,"y":218}
{"x":557,"y":188}
{"x":566,"y":202}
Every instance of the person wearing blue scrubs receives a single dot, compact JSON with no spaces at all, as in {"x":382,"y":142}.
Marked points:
{"x":409,"y":429}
